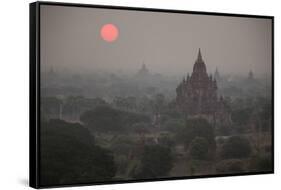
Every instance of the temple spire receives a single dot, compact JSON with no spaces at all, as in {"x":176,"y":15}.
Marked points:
{"x":251,"y":74}
{"x":217,"y":74}
{"x":199,"y":57}
{"x":199,"y":66}
{"x":143,"y":71}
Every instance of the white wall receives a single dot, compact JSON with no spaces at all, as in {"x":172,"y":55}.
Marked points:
{"x":14,"y":93}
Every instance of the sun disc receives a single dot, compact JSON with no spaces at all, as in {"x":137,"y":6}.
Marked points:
{"x":109,"y":32}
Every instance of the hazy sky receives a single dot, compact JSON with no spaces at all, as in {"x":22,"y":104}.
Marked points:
{"x":166,"y":42}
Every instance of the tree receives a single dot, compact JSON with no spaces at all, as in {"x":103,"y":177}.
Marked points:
{"x":156,"y":161}
{"x":141,"y":127}
{"x":199,"y":148}
{"x":107,"y":119}
{"x":261,"y":163}
{"x":166,"y":139}
{"x":74,"y":105}
{"x":174,"y":125}
{"x":197,"y":128}
{"x":127,"y":103}
{"x":129,"y":119}
{"x":236,"y":147}
{"x":51,"y":107}
{"x":265,"y":114}
{"x":102,"y":119}
{"x":158,"y":103}
{"x":230,"y":166}
{"x":241,"y":116}
{"x":69,"y":155}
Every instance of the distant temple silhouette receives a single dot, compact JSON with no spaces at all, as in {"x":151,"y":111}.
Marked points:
{"x":251,"y":75}
{"x":197,"y":96}
{"x":217,"y":75}
{"x":143,"y":71}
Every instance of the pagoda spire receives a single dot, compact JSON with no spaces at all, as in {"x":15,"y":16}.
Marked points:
{"x":251,"y":74}
{"x":199,"y":66}
{"x":143,"y":71}
{"x":217,"y":74}
{"x":199,"y":57}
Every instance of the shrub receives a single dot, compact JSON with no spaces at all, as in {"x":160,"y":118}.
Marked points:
{"x":262,"y":163}
{"x":199,"y":148}
{"x":174,"y":125}
{"x":197,"y":128}
{"x":230,"y":166}
{"x":102,"y":119}
{"x":236,"y":147}
{"x":156,"y":161}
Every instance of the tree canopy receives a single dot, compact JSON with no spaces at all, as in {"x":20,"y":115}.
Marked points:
{"x":197,"y":128}
{"x":69,"y":155}
{"x":107,"y":119}
{"x":236,"y":147}
{"x":102,"y":118}
{"x":156,"y":161}
{"x":199,"y":148}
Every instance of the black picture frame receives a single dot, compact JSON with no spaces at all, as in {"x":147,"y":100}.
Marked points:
{"x":34,"y":98}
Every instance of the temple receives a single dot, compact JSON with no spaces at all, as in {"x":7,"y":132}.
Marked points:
{"x":251,"y":75}
{"x":217,"y":75}
{"x":143,"y":72}
{"x":197,"y":95}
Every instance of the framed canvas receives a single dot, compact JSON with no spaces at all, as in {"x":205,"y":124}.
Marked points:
{"x":122,"y":94}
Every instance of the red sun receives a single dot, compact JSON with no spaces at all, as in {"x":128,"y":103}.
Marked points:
{"x":109,"y":32}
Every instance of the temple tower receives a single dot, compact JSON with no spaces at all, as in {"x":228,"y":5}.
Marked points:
{"x":197,"y":95}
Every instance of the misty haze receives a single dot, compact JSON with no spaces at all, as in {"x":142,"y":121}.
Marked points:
{"x":129,"y":95}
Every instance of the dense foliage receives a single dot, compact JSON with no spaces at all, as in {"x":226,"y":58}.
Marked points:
{"x":230,"y":166}
{"x":199,"y":148}
{"x":103,"y":118}
{"x":69,"y":155}
{"x":156,"y":161}
{"x":197,"y":128}
{"x":107,"y":119}
{"x":236,"y":147}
